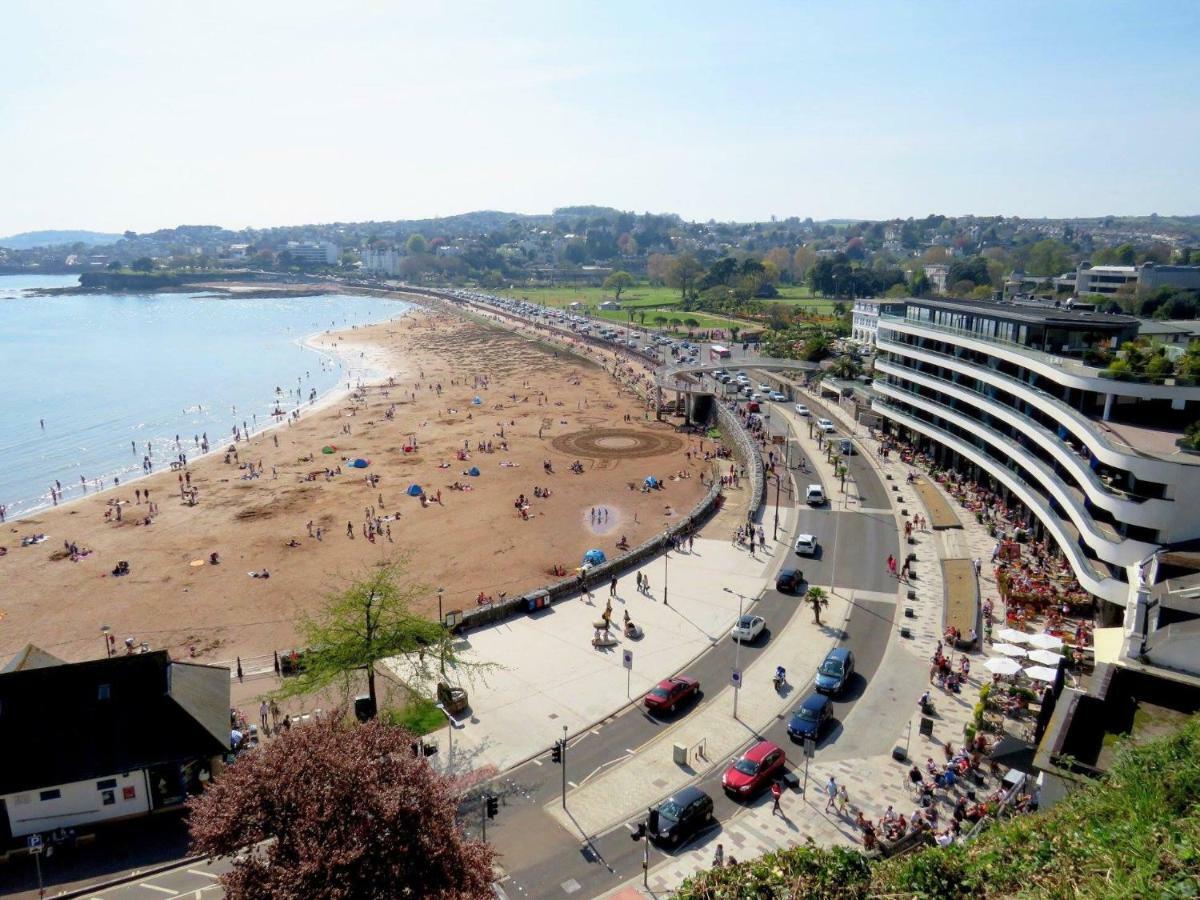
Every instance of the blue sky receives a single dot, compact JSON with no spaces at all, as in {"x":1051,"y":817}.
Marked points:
{"x":141,"y":115}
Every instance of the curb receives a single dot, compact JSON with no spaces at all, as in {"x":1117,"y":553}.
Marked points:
{"x":141,"y":875}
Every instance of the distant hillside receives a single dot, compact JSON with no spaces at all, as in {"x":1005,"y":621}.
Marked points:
{"x":30,"y":239}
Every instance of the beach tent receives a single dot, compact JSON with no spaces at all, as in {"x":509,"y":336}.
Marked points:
{"x":594,"y":557}
{"x":476,"y":401}
{"x":414,"y":490}
{"x":360,"y":463}
{"x":329,"y":448}
{"x":651,"y":481}
{"x":473,"y":472}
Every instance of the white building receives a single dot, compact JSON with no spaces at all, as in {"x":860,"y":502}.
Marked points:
{"x":1091,"y":279}
{"x":105,"y":739}
{"x":865,"y":318}
{"x":382,"y":260}
{"x":1002,"y":393}
{"x":313,"y":253}
{"x":937,"y":273}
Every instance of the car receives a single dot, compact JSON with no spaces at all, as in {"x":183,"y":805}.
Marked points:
{"x":680,"y":816}
{"x":765,"y":388}
{"x":806,"y":545}
{"x":670,"y":692}
{"x":810,"y":718}
{"x":788,"y":580}
{"x":757,"y":397}
{"x":814,"y":495}
{"x":754,"y":770}
{"x":845,"y":447}
{"x":835,"y":671}
{"x":801,"y":409}
{"x":777,"y":396}
{"x":748,"y":627}
{"x":826,"y":426}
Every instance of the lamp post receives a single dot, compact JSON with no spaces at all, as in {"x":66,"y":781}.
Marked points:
{"x":105,"y":631}
{"x":666,"y":556}
{"x":737,"y":652}
{"x":776,"y":507}
{"x":450,"y":733}
{"x":441,"y":615}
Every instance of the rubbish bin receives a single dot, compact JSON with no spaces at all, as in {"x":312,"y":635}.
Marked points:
{"x":680,"y":754}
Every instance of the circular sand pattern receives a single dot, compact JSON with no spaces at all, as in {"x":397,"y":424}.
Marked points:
{"x":616,"y":443}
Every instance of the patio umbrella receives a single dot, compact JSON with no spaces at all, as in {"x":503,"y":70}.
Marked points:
{"x":1045,"y":657}
{"x":1041,"y":673}
{"x":1002,"y":665}
{"x":1009,"y":649}
{"x":1013,"y":752}
{"x":1045,"y":641}
{"x":1012,"y":636}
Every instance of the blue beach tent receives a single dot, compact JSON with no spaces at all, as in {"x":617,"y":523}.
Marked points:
{"x":595,"y":557}
{"x":651,"y":481}
{"x":360,"y":463}
{"x":476,"y":401}
{"x":473,"y":472}
{"x":414,"y":490}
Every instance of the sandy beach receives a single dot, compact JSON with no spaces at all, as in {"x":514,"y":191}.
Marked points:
{"x":536,"y":404}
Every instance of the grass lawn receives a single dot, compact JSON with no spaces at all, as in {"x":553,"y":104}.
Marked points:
{"x":652,"y":300}
{"x":419,"y":716}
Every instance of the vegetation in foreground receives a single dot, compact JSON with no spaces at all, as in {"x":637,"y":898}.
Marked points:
{"x":1136,"y":834}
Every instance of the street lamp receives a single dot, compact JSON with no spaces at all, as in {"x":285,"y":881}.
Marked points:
{"x":666,"y":556}
{"x":441,"y":616}
{"x":737,"y":652}
{"x":450,"y":732}
{"x":105,"y":631}
{"x":776,"y":507}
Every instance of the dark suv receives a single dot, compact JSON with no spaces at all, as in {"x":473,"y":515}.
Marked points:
{"x":681,"y":816}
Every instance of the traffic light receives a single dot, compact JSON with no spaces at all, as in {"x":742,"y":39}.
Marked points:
{"x":556,"y":752}
{"x":639,"y":832}
{"x":493,"y":806}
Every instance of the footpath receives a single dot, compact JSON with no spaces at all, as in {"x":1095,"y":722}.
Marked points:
{"x":876,"y":781}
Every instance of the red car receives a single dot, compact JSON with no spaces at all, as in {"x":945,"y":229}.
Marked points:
{"x":670,"y":692}
{"x":754,"y":770}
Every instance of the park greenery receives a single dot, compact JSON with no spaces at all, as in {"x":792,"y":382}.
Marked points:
{"x":1136,"y":833}
{"x":371,"y":620}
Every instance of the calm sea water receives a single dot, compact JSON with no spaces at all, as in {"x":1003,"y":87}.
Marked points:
{"x":103,"y":371}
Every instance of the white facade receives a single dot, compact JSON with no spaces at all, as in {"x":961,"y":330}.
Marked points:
{"x":382,"y":260}
{"x":1044,"y":428}
{"x":865,"y":318}
{"x":1091,"y":279}
{"x":319,"y":253}
{"x":82,"y":803}
{"x":937,"y":273}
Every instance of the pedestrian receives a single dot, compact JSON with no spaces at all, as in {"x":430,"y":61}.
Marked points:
{"x":891,"y":564}
{"x":843,"y":800}
{"x":978,"y":566}
{"x":719,"y":857}
{"x":612,"y":587}
{"x":832,"y":790}
{"x":263,"y":711}
{"x":776,"y":794}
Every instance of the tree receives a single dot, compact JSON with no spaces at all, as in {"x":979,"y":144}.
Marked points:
{"x":416,"y":244}
{"x":815,"y":597}
{"x":1048,"y":257}
{"x":370,"y":621}
{"x":660,"y":320}
{"x":802,"y":260}
{"x":341,"y":810}
{"x":683,"y":272}
{"x":692,"y":324}
{"x":617,"y":282}
{"x":575,"y":252}
{"x":143,"y":264}
{"x":114,"y":266}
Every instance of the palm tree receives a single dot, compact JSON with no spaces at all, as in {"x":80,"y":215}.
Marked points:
{"x":817,"y":600}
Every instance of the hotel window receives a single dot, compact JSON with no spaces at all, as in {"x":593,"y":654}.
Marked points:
{"x":50,"y":795}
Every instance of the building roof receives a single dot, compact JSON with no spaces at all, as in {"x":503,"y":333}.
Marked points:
{"x":56,"y":729}
{"x":1030,"y":312}
{"x":31,"y":657}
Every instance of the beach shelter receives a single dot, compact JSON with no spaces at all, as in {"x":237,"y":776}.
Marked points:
{"x":1002,"y":665}
{"x":329,"y":448}
{"x":414,"y":490}
{"x":1045,"y":641}
{"x":594,"y":557}
{"x":476,"y":402}
{"x":360,"y":463}
{"x":1041,"y":673}
{"x":651,"y":481}
{"x":1045,"y":657}
{"x":1009,"y":649}
{"x":473,"y":472}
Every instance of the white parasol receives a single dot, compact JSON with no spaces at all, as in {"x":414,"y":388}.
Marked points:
{"x":1002,"y":665}
{"x":1009,"y":649}
{"x":1041,"y":673}
{"x":1045,"y":641}
{"x":1012,"y":636}
{"x":1045,"y":657}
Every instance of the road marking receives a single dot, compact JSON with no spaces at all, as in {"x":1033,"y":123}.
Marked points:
{"x":204,"y":874}
{"x":630,"y":752}
{"x":155,"y":887}
{"x":595,"y":731}
{"x":572,"y":784}
{"x":536,"y":762}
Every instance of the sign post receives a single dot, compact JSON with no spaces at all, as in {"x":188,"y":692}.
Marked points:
{"x":736,"y":680}
{"x":35,"y":849}
{"x":627,"y":661}
{"x":810,"y":750}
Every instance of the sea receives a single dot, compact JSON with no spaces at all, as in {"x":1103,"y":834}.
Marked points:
{"x":93,"y":383}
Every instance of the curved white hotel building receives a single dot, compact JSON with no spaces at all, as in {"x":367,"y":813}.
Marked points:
{"x":1002,"y":393}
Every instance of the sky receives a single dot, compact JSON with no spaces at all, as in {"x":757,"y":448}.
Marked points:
{"x":142,"y":115}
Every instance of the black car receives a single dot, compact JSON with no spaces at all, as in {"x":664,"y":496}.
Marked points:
{"x":810,"y":718}
{"x":681,"y":816}
{"x":788,"y":581}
